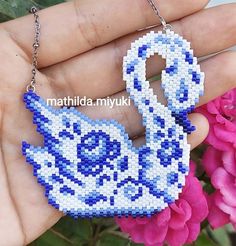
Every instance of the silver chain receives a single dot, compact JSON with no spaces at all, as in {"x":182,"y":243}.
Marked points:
{"x":157,"y":12}
{"x":36,"y":44}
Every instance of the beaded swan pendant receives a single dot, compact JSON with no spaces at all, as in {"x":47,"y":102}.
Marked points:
{"x":90,"y":167}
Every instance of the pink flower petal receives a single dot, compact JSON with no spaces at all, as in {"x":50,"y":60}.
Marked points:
{"x":220,"y":178}
{"x":126,"y":224}
{"x":199,"y":210}
{"x":155,"y":244}
{"x":192,"y":169}
{"x":229,"y":195}
{"x":213,"y":140}
{"x":193,"y":191}
{"x":154,"y":234}
{"x":211,"y":160}
{"x":227,"y":125}
{"x":213,"y":107}
{"x":177,"y":237}
{"x":142,"y":220}
{"x":220,"y":203}
{"x":194,"y":230}
{"x":229,"y":161}
{"x":137,"y":233}
{"x":216,"y":217}
{"x":181,"y":213}
{"x":224,"y":134}
{"x":163,"y":217}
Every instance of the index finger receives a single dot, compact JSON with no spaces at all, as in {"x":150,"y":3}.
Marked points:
{"x":75,"y":27}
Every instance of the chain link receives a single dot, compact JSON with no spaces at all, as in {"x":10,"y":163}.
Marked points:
{"x":157,"y":12}
{"x":36,"y":44}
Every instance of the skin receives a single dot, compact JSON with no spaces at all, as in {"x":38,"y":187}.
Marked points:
{"x":82,"y":45}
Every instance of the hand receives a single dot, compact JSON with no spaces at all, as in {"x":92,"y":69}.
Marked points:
{"x":82,"y":45}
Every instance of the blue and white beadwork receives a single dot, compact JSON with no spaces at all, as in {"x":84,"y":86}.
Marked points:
{"x":90,"y":167}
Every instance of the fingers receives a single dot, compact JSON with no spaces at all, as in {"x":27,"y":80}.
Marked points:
{"x":35,"y":215}
{"x":220,"y":75}
{"x":195,"y":138}
{"x":33,"y":209}
{"x":77,"y":26}
{"x":10,"y":220}
{"x":98,"y":73}
{"x":219,"y":79}
{"x":202,"y":129}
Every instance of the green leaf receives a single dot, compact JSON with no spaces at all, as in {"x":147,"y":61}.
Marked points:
{"x":79,"y":231}
{"x":50,"y":239}
{"x":204,"y":240}
{"x":6,"y":10}
{"x":108,"y":240}
{"x":4,"y":17}
{"x":15,"y":8}
{"x":208,"y":188}
{"x":84,"y":229}
{"x":229,"y":228}
{"x":11,"y":9}
{"x":221,"y":236}
{"x":108,"y":222}
{"x":47,"y":3}
{"x":97,"y":220}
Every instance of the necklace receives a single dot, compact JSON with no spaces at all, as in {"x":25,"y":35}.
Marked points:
{"x":90,"y":167}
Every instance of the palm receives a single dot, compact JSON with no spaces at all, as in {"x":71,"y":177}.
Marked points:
{"x":23,"y":207}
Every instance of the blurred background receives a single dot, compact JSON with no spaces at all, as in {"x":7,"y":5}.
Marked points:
{"x":101,"y":232}
{"x":217,"y":2}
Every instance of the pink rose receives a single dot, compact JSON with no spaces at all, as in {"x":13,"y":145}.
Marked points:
{"x":177,"y":224}
{"x":220,"y":166}
{"x":221,"y":114}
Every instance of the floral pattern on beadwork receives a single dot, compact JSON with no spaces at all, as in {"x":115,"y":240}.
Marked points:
{"x":90,"y":167}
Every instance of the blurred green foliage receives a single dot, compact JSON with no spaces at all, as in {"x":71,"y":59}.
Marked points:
{"x":83,"y":232}
{"x":10,"y":9}
{"x":99,"y":232}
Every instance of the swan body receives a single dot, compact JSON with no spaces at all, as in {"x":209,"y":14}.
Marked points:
{"x":90,"y":167}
